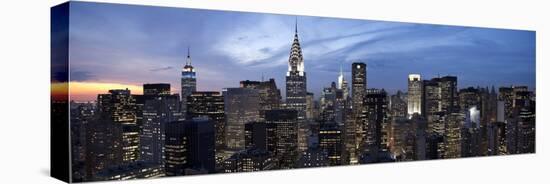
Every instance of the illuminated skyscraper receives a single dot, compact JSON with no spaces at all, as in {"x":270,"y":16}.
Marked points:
{"x":159,"y":108}
{"x":285,"y":140}
{"x":209,"y":104}
{"x":358,"y":88}
{"x":414,"y":99}
{"x":452,"y":136}
{"x":188,"y":82}
{"x":296,"y":81}
{"x":114,"y":137}
{"x":358,"y":85}
{"x":343,"y":84}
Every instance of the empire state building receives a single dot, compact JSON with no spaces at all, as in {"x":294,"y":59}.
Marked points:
{"x":188,"y":82}
{"x":296,"y":79}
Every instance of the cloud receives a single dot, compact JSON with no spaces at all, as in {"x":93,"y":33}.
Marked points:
{"x":161,"y":69}
{"x":82,"y":76}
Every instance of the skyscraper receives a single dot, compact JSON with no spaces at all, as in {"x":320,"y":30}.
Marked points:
{"x":358,"y":85}
{"x":375,"y":109}
{"x":270,"y":96}
{"x":189,"y":146}
{"x":331,"y":142}
{"x":452,"y":135}
{"x":358,"y":88}
{"x":209,"y":104}
{"x":113,"y":138}
{"x":414,"y":99}
{"x":296,"y":82}
{"x":188,"y":82}
{"x":242,"y":105}
{"x":343,"y":84}
{"x":449,"y":96}
{"x":285,"y":129}
{"x":159,"y":108}
{"x":156,"y":89}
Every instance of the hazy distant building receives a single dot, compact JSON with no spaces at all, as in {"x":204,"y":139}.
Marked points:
{"x":328,"y":103}
{"x":343,"y":84}
{"x":311,"y":110}
{"x":270,"y":96}
{"x":242,"y":105}
{"x":403,"y":136}
{"x":398,"y":105}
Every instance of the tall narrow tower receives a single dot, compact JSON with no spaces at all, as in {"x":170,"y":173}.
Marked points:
{"x":414,"y":99}
{"x":188,"y":82}
{"x":296,"y":79}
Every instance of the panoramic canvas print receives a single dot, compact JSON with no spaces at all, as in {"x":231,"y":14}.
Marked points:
{"x":146,"y":92}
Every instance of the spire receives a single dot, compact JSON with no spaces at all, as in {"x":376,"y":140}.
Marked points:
{"x":295,"y":62}
{"x":341,"y":72}
{"x":296,"y":26}
{"x":188,"y":62}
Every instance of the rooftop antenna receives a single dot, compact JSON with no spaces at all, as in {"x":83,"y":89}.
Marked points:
{"x":296,"y":25}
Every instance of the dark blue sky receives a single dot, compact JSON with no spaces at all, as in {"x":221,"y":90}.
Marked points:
{"x":133,"y":45}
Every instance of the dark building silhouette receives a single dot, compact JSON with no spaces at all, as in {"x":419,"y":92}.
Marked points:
{"x":375,"y":121}
{"x":189,"y":146}
{"x":284,"y":139}
{"x":156,"y":89}
{"x":250,"y":160}
{"x":331,"y":142}
{"x":256,"y":135}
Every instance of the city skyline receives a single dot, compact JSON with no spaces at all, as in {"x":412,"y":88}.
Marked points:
{"x":412,"y":92}
{"x":105,"y":51}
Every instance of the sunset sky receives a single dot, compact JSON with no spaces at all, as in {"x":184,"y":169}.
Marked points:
{"x":121,"y":46}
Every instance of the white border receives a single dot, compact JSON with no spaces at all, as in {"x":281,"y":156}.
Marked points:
{"x":25,"y":90}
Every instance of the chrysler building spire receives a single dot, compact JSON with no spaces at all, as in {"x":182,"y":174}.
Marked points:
{"x":296,"y":60}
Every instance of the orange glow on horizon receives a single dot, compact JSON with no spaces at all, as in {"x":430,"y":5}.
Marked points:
{"x":88,"y":91}
{"x":59,"y":91}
